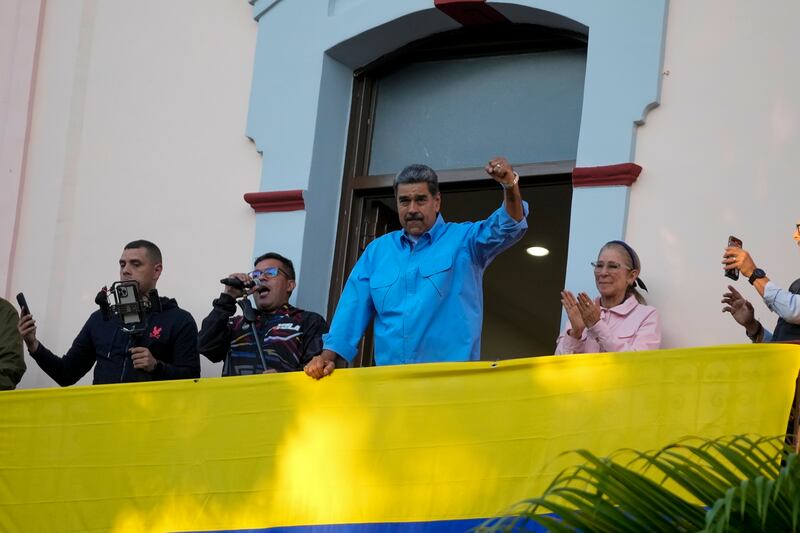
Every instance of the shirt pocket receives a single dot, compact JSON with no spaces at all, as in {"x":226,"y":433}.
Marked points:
{"x":438,"y":272}
{"x":627,"y":331}
{"x":379,"y":284}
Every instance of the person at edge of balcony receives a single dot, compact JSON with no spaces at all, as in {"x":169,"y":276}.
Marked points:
{"x":619,"y":320}
{"x":784,"y":303}
{"x":424,"y":284}
{"x":12,"y":362}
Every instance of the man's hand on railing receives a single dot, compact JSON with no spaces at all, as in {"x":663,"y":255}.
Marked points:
{"x":321,"y":365}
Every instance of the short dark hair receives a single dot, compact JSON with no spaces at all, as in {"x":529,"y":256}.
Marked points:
{"x":418,"y":174}
{"x":152,"y":250}
{"x":287,"y":263}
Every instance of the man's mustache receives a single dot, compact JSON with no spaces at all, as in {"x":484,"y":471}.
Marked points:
{"x":414,"y":216}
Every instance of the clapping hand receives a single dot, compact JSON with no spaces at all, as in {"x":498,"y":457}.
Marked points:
{"x":590,"y":311}
{"x":570,"y":305}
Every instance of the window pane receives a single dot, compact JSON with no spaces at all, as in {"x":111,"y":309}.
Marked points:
{"x":458,"y":113}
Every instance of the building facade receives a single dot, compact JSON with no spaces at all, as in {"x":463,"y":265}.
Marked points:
{"x":220,"y":131}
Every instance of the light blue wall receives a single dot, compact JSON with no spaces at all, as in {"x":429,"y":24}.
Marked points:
{"x":598,"y":226}
{"x":324,"y":185}
{"x":299,"y":98}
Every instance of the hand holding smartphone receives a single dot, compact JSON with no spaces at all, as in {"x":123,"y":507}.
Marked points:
{"x":734,"y":272}
{"x":23,"y":305}
{"x":27,"y":325}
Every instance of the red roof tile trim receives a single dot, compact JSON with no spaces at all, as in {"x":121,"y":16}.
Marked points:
{"x":620,"y":174}
{"x":275,"y":201}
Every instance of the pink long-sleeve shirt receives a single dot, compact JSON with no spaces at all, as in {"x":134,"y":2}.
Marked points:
{"x":628,"y":327}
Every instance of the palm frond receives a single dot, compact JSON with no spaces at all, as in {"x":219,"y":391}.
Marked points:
{"x":737,"y":483}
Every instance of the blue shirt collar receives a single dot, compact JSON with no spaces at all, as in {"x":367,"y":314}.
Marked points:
{"x":430,"y":235}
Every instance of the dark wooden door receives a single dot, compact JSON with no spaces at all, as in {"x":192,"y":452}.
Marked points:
{"x":379,"y":218}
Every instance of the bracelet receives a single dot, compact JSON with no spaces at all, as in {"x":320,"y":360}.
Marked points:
{"x":757,"y":334}
{"x":510,"y":185}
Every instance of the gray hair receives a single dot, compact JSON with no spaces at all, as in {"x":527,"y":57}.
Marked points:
{"x":418,"y":174}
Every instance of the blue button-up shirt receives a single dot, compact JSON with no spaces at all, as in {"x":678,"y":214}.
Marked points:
{"x":784,"y":303}
{"x":426,"y":297}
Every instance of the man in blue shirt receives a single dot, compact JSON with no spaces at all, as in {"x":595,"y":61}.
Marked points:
{"x":423,"y":285}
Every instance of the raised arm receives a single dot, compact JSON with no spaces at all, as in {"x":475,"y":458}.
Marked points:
{"x":780,"y":301}
{"x":65,"y":370}
{"x":502,"y":172}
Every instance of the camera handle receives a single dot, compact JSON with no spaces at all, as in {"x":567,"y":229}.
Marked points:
{"x":135,"y":335}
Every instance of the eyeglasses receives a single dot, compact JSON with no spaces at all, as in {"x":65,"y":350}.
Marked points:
{"x":269,"y":272}
{"x":611,"y":267}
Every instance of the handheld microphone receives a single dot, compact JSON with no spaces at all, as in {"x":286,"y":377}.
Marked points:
{"x":236,"y":283}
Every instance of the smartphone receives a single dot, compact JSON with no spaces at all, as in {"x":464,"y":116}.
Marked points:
{"x":23,"y":305}
{"x":126,"y":294}
{"x":734,"y":272}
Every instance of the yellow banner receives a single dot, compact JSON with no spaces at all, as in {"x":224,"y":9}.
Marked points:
{"x":421,"y":443}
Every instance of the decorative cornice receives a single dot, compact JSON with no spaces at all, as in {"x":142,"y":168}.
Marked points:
{"x":607,"y":175}
{"x":470,"y":12}
{"x":275,"y":201}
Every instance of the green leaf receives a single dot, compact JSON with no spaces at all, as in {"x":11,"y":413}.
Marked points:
{"x":745,"y":483}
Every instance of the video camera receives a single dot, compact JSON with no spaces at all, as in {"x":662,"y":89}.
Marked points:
{"x":124,"y":301}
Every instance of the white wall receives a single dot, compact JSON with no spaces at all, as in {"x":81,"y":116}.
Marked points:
{"x":137,"y":132}
{"x":720,"y":157}
{"x":19,"y":41}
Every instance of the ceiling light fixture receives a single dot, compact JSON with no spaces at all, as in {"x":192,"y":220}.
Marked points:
{"x":538,"y":251}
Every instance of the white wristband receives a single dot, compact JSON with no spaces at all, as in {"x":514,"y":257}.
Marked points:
{"x":510,"y":185}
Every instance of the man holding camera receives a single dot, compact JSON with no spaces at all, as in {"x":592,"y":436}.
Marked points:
{"x":166,"y":349}
{"x":274,"y":337}
{"x":786,"y":304}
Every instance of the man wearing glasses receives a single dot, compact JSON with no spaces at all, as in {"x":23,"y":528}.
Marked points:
{"x":275,"y":337}
{"x":786,"y":304}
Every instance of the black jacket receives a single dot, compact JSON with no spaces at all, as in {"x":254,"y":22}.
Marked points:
{"x":170,"y":335}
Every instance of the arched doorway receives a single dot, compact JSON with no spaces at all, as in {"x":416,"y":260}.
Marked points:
{"x":452,"y":101}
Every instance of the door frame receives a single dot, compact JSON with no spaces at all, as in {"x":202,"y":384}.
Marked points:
{"x":357,"y":184}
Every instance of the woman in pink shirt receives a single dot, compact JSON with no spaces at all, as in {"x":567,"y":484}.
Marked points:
{"x":619,"y":320}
